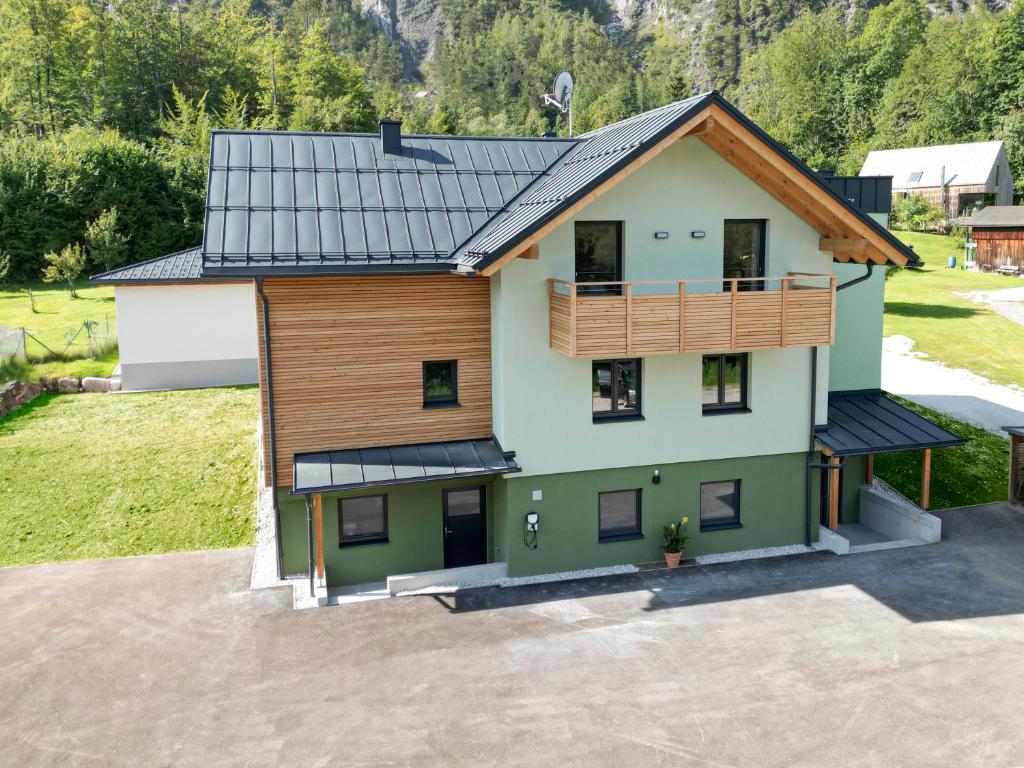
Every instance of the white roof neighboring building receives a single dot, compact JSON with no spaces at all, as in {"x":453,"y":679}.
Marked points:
{"x":965,"y":164}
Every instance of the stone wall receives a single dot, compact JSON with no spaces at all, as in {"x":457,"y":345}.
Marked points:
{"x":15,"y":394}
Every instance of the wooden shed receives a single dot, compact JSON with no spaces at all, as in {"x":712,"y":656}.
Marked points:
{"x":962,"y":178}
{"x":998,"y":234}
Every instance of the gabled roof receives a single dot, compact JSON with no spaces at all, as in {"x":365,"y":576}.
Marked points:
{"x":178,"y":267}
{"x":997,"y":216}
{"x":915,"y":167}
{"x":317,"y":202}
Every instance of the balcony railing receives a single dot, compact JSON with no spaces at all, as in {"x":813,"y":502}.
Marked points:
{"x":657,"y":317}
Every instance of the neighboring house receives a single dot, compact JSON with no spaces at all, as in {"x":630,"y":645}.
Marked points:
{"x":962,"y":178}
{"x":178,"y":329}
{"x":670,"y":316}
{"x":998,"y":236}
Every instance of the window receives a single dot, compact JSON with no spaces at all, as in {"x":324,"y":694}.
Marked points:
{"x":618,"y":515}
{"x":440,"y":383}
{"x":720,"y":505}
{"x":363,"y":520}
{"x":724,"y":383}
{"x":743,"y":255}
{"x":615,"y":387}
{"x":915,"y":177}
{"x":599,"y":255}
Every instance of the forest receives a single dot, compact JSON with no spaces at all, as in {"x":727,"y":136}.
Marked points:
{"x":106,"y":107}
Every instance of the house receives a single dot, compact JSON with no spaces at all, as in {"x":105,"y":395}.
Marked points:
{"x":962,"y":178}
{"x":179,"y":329}
{"x":997,"y":233}
{"x":527,"y":355}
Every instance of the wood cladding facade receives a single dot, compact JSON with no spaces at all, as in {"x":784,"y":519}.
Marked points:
{"x":999,"y":247}
{"x":347,"y":355}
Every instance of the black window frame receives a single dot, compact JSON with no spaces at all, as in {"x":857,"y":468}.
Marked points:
{"x":721,"y":406}
{"x":631,"y":414}
{"x":358,"y":541}
{"x":721,"y":525}
{"x":442,"y":401}
{"x":608,"y":290}
{"x":762,"y":264}
{"x":621,"y":534}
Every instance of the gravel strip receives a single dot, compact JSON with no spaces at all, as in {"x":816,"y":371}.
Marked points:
{"x":757,"y":554}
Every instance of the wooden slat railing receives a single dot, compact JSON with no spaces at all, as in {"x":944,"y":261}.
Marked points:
{"x":652,"y":317}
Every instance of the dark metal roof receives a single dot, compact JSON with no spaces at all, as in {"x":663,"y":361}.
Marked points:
{"x":871,"y":194}
{"x":1015,"y":431}
{"x":314,"y":202}
{"x":868,"y":421}
{"x":997,"y":216}
{"x":603,"y":153}
{"x":181,"y":266}
{"x":394,"y":465}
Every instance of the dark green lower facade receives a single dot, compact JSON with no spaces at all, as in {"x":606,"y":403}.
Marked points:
{"x":772,"y":514}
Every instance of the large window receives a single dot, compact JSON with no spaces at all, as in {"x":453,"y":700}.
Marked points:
{"x":743,"y":255}
{"x":615,"y":388}
{"x":363,"y":520}
{"x":440,"y":383}
{"x":720,"y":505}
{"x":618,"y":515}
{"x":599,"y":255}
{"x":724,"y":383}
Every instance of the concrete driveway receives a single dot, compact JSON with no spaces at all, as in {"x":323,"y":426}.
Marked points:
{"x":896,"y":658}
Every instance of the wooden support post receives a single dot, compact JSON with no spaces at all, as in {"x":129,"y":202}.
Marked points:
{"x":532,"y":252}
{"x":572,"y":320}
{"x":629,"y":318}
{"x":832,"y":320}
{"x":682,"y":316}
{"x":926,"y":478}
{"x":318,"y":535}
{"x":869,"y":470}
{"x":732,"y":319}
{"x":833,"y":494}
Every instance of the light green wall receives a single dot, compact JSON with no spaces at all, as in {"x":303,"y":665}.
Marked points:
{"x":772,"y":512}
{"x":415,"y":536}
{"x":856,"y":356}
{"x":542,"y":398}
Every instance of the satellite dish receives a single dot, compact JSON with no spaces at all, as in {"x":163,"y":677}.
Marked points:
{"x":561,"y":95}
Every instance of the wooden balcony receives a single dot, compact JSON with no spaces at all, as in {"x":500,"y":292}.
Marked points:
{"x":651,"y":317}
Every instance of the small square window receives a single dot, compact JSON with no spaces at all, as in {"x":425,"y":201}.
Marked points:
{"x":440,"y":383}
{"x":615,"y":389}
{"x":720,"y":505}
{"x":363,"y":520}
{"x":724,"y":383}
{"x":618,"y":514}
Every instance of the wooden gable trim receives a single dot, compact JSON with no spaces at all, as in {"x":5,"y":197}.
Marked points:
{"x":696,"y":123}
{"x":835,"y":222}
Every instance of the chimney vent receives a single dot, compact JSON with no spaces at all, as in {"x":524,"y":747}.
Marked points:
{"x":391,"y":137}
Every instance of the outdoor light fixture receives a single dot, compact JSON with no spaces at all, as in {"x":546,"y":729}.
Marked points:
{"x":661,"y":235}
{"x":657,"y":478}
{"x":697,"y":234}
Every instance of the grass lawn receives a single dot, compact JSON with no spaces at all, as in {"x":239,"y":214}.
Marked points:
{"x":976,"y":473}
{"x":951,"y":329}
{"x":98,"y":475}
{"x":56,"y":318}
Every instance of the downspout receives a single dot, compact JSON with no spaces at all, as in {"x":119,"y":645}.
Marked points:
{"x":272,"y":434}
{"x":861,"y":279}
{"x":810,"y":446}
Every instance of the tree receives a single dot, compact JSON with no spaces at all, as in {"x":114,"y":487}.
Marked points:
{"x":916,"y":212}
{"x":106,"y":246}
{"x":67,"y":265}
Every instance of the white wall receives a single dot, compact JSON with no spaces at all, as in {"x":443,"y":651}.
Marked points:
{"x":181,"y":335}
{"x":543,"y":400}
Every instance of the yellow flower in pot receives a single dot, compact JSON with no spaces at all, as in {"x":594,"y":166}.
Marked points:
{"x":675,"y":538}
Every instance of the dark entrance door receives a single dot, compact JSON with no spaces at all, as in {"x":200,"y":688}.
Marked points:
{"x":465,"y":527}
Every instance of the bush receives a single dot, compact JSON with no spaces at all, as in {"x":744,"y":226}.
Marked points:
{"x":916,"y":212}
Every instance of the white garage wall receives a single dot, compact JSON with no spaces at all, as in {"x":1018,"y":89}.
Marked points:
{"x":186,"y":335}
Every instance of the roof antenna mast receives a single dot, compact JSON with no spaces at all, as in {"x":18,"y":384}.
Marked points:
{"x":561,"y":96}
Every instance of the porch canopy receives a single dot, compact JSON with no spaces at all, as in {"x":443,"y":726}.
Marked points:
{"x":373,"y":467}
{"x":866,"y":422}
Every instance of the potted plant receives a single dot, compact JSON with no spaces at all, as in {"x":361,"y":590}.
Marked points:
{"x":675,"y":542}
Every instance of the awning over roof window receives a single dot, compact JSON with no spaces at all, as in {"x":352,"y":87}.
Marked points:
{"x":394,"y":465}
{"x":869,"y":422}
